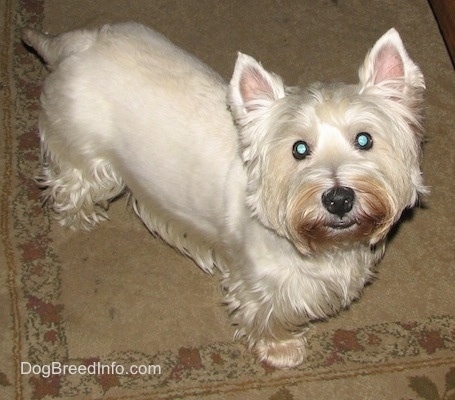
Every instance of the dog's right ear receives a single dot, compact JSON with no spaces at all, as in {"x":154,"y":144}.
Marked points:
{"x":389,"y":71}
{"x":252,"y":89}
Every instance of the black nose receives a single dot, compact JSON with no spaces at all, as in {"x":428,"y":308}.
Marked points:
{"x":338,"y":200}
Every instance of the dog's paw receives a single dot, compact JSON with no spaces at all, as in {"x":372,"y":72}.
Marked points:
{"x":281,"y":354}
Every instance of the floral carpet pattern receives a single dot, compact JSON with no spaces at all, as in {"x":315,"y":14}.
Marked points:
{"x":407,"y":359}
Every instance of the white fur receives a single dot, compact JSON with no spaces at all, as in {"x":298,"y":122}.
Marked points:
{"x":125,"y":110}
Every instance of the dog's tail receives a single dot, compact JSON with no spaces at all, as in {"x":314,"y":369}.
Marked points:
{"x":54,"y":49}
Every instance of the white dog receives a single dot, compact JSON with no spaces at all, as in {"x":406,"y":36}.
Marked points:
{"x":289,"y":192}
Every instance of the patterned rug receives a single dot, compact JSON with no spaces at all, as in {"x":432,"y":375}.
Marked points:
{"x":116,"y":314}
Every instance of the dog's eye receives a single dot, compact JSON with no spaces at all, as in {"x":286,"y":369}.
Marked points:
{"x":300,"y":150}
{"x":363,"y":141}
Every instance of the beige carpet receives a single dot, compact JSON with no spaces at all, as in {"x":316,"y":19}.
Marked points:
{"x":118,"y":295}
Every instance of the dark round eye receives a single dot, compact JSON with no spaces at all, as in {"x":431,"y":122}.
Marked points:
{"x":363,"y":141}
{"x":300,"y":150}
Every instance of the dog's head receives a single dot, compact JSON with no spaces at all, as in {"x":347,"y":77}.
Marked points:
{"x":332,"y":164}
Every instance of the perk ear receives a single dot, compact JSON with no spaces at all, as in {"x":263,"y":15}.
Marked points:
{"x":252,"y":88}
{"x":387,"y":66}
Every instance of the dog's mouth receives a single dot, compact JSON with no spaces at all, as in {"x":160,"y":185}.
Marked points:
{"x":342,"y":223}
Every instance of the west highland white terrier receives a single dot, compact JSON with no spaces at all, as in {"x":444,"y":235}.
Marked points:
{"x":289,"y":192}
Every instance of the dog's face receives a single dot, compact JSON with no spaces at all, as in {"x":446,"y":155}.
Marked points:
{"x":333,"y":164}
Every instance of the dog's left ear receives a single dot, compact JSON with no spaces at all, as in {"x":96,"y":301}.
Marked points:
{"x":387,"y":67}
{"x":252,"y":88}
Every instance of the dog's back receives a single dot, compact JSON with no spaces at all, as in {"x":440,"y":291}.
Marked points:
{"x":124,"y":107}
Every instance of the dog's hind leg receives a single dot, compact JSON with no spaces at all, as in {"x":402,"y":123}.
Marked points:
{"x":78,"y":179}
{"x":79,"y":195}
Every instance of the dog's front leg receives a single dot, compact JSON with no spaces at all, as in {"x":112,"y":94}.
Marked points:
{"x":267,"y":296}
{"x":269,"y":322}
